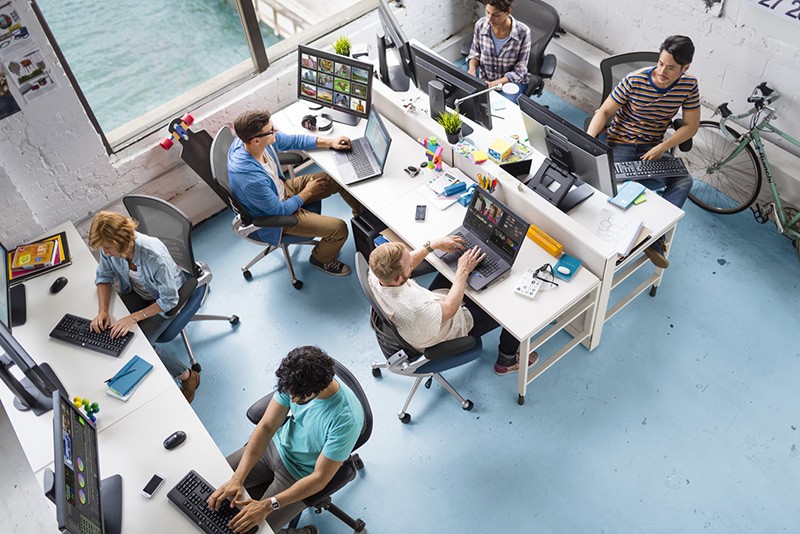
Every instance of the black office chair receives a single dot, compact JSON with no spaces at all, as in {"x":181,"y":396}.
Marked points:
{"x":158,"y":218}
{"x":243,"y":224}
{"x":543,"y":21}
{"x":615,"y":68}
{"x":347,"y":472}
{"x":403,"y":359}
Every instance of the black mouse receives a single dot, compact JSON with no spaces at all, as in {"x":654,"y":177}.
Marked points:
{"x":174,"y":439}
{"x":58,"y":285}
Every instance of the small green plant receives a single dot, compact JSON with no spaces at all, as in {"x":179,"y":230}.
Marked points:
{"x":342,"y":45}
{"x":450,"y":121}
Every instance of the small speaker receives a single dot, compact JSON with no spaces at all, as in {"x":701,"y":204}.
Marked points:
{"x":436,"y":97}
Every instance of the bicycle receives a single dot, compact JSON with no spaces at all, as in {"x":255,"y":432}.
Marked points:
{"x":727,"y":174}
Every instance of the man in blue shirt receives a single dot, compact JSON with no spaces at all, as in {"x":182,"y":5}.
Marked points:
{"x":296,"y":458}
{"x":259,"y":185}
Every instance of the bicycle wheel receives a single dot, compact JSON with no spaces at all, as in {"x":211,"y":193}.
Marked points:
{"x":731,"y":188}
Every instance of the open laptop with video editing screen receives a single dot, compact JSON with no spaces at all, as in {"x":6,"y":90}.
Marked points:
{"x":497,"y":231}
{"x":368,"y":154}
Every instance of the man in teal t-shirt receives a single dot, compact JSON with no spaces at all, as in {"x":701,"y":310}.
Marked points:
{"x":283,"y":463}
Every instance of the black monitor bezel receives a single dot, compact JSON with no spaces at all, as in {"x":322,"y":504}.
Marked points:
{"x":394,"y":32}
{"x":6,"y":289}
{"x":302,"y":49}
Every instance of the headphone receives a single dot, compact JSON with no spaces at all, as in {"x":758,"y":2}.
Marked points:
{"x":324,"y":124}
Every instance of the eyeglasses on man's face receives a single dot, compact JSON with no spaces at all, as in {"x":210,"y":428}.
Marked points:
{"x":265,"y":134}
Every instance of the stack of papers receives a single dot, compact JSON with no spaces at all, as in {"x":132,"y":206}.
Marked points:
{"x":619,"y":230}
{"x":434,"y":190}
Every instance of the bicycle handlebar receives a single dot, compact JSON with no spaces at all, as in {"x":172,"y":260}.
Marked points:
{"x":761,"y":97}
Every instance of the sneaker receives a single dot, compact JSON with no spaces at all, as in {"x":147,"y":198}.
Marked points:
{"x":502,"y":370}
{"x":190,"y":385}
{"x":655,"y":253}
{"x":335,"y":267}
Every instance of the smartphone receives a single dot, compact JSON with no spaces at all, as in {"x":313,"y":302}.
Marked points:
{"x":152,"y":486}
{"x":420,"y":215}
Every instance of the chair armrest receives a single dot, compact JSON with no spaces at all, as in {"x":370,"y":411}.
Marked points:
{"x":256,"y":411}
{"x":184,"y":292}
{"x":449,"y":348}
{"x":465,"y":48}
{"x":686,"y":146}
{"x":548,"y":66}
{"x":291,"y":158}
{"x":275,"y":220}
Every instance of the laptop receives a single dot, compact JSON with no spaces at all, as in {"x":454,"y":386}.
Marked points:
{"x":497,"y":231}
{"x":368,"y":154}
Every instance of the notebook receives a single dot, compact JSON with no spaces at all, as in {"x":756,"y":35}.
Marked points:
{"x":124,"y":383}
{"x":619,"y":230}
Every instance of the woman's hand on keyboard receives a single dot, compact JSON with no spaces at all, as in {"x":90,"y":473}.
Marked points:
{"x":122,"y":327}
{"x":100,"y":322}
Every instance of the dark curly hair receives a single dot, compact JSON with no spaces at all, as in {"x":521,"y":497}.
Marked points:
{"x":502,"y":5}
{"x":305,"y":371}
{"x":680,"y":47}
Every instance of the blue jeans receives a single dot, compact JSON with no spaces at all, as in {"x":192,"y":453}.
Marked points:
{"x":677,"y":188}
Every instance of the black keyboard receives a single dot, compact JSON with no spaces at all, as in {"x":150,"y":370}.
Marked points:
{"x":658,"y":168}
{"x":191,"y":494}
{"x":358,"y":158}
{"x":485,"y":267}
{"x":75,"y":330}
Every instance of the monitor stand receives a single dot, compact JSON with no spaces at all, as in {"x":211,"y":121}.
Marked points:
{"x":343,"y":118}
{"x":391,"y":75}
{"x":19,"y":309}
{"x":580,"y":192}
{"x":37,"y":401}
{"x":110,"y":499}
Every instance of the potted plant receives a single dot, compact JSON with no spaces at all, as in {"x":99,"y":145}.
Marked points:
{"x":342,"y":45}
{"x":451,"y":122}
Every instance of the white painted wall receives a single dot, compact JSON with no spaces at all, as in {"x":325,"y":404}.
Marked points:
{"x":53,"y":166}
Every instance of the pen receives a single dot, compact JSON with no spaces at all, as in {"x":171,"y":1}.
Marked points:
{"x":129,"y":371}
{"x":498,"y":116}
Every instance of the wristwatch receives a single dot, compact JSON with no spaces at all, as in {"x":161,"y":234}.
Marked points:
{"x":273,"y":503}
{"x":427,"y":246}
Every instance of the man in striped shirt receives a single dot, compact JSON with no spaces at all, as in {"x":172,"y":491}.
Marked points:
{"x":641,"y":109}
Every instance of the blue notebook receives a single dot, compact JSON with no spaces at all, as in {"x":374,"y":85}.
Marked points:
{"x":123,"y":384}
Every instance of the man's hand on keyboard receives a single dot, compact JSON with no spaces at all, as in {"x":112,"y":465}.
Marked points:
{"x":231,"y":490}
{"x":448,"y":243}
{"x":338,"y":143}
{"x":251,"y":514}
{"x":122,"y":327}
{"x":654,"y":153}
{"x":100,"y":322}
{"x":469,"y":260}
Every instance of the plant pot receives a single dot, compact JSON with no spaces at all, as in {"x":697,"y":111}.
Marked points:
{"x":454,"y":137}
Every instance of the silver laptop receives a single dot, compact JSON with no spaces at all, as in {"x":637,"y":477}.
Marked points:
{"x":368,"y":154}
{"x":497,"y":231}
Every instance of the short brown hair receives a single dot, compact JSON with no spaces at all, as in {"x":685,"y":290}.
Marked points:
{"x":386,"y":261}
{"x":250,"y":123}
{"x":111,"y":227}
{"x":502,"y":5}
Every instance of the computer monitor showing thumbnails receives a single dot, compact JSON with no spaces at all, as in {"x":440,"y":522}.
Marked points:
{"x":397,"y":77}
{"x":338,"y":82}
{"x":590,"y":159}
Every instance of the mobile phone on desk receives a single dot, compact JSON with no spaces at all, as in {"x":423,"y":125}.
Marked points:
{"x":420,"y":213}
{"x":152,"y":486}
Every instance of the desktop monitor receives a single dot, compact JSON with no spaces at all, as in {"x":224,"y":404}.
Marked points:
{"x":338,"y":82}
{"x":35,"y":390}
{"x":590,"y":158}
{"x":83,"y":502}
{"x":396,"y":77}
{"x":12,"y":299}
{"x":431,"y":67}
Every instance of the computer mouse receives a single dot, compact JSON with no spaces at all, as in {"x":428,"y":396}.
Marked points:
{"x":58,"y":284}
{"x":564,"y":270}
{"x":174,"y":439}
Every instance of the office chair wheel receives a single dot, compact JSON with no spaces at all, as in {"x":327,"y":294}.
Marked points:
{"x":376,"y":372}
{"x":653,"y":291}
{"x":360,"y":525}
{"x":428,"y":382}
{"x":196,"y":367}
{"x":467,"y":405}
{"x":247,"y":275}
{"x":298,"y":284}
{"x":405,"y":418}
{"x":234,"y":320}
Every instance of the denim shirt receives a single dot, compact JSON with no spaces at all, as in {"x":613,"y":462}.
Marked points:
{"x":160,"y":274}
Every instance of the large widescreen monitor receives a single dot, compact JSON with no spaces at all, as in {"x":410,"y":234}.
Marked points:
{"x":430,"y":67}
{"x":34,"y":392}
{"x":338,"y":82}
{"x":396,"y":77}
{"x":82,"y":505}
{"x":592,"y":159}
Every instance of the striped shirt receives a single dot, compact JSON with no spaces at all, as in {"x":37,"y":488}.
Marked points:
{"x":647,"y":110}
{"x":511,"y":62}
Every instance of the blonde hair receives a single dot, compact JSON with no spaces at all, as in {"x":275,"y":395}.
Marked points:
{"x":111,"y":227}
{"x":386,"y":261}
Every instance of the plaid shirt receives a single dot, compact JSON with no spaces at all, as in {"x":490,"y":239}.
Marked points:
{"x":513,"y":59}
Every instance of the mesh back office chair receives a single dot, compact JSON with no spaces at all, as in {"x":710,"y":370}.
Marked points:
{"x":543,"y":21}
{"x":615,"y":68}
{"x":403,"y":359}
{"x":347,"y":472}
{"x":158,"y":218}
{"x":243,"y":224}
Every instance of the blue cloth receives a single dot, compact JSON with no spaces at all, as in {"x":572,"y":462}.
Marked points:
{"x":158,"y":271}
{"x":498,"y":43}
{"x":323,"y":426}
{"x":253,"y":187}
{"x":677,"y":188}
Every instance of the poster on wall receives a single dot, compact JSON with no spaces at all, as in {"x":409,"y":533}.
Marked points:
{"x":13,"y":32}
{"x":786,"y":10}
{"x":8,"y":106}
{"x":30,"y":73}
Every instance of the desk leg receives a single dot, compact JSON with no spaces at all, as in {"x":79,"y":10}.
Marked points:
{"x":522,"y":374}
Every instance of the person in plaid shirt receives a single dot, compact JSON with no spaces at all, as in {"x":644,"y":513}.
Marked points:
{"x":501,"y":46}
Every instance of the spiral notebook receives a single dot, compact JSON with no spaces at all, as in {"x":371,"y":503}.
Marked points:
{"x":124,"y":383}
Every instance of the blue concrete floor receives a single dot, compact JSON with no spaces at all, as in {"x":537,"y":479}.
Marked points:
{"x":684,"y":418}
